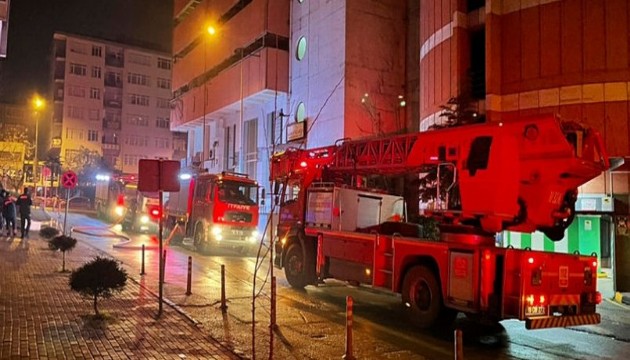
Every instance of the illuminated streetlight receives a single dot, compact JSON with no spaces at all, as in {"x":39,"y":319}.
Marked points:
{"x":38,"y":104}
{"x":211,"y":30}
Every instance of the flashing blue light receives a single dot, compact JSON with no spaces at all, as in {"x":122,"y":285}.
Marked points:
{"x":185,"y":176}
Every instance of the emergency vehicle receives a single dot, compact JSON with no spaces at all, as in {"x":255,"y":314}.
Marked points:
{"x":119,"y":201}
{"x":520,"y":175}
{"x":214,"y":210}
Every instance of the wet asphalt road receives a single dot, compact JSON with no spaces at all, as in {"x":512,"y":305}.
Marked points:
{"x":311,"y":323}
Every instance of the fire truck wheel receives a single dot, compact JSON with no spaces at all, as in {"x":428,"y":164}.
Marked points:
{"x":422,"y":298}
{"x":294,"y":267}
{"x":200,"y":241}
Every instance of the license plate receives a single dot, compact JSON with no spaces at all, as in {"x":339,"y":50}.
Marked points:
{"x":535,"y":310}
{"x":238,"y":232}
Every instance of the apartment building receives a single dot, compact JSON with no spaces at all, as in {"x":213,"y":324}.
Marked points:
{"x":4,"y":27}
{"x":114,"y":99}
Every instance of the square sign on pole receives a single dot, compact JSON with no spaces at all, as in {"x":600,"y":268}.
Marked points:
{"x":156,"y":175}
{"x":159,"y":176}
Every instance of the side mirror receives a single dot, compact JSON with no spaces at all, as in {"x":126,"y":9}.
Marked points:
{"x":276,"y":188}
{"x":262,"y":197}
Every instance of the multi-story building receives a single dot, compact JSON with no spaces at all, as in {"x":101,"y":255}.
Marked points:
{"x":4,"y":27}
{"x":359,"y":68}
{"x":230,"y":87}
{"x":114,"y":99}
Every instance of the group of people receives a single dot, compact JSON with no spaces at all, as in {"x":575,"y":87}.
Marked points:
{"x":10,"y":207}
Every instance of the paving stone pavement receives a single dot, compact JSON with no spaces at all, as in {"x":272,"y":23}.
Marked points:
{"x":41,"y":318}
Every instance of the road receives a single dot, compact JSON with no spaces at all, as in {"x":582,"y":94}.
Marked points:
{"x":311,"y":323}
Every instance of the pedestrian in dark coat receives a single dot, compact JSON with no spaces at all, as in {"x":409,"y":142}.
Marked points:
{"x":8,"y":211}
{"x":24,"y":203}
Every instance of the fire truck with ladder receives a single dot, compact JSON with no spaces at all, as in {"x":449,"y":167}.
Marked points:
{"x":520,"y":176}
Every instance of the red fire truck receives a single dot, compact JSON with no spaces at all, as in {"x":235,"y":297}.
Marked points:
{"x":119,"y":201}
{"x":215,"y":210}
{"x":520,"y":176}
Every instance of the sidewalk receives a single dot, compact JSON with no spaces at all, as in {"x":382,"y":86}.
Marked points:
{"x":42,"y":318}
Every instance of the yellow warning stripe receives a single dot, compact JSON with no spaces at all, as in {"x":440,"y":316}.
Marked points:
{"x":561,"y":321}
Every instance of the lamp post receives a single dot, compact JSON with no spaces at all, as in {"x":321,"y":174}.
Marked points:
{"x":38,"y":105}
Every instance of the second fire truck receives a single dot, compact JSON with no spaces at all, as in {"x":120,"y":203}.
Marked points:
{"x":215,"y":210}
{"x":519,"y":176}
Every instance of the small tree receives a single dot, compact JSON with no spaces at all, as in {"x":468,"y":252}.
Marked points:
{"x":99,"y":277}
{"x":62,"y":243}
{"x":48,"y":232}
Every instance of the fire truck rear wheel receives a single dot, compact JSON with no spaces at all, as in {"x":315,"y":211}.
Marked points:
{"x":422,"y":298}
{"x":294,"y":268}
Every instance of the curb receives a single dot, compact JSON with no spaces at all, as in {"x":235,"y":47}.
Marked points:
{"x":622,"y":298}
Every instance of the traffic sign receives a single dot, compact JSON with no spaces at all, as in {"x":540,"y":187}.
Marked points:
{"x":69,"y":179}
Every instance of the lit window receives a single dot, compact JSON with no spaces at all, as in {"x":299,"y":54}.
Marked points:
{"x":300,"y":51}
{"x":300,"y":113}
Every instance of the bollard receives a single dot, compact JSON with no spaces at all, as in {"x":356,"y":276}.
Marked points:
{"x":142,"y":266}
{"x":272,"y":322}
{"x":189,"y":282}
{"x":223,"y":304}
{"x":459,"y":346}
{"x":348,"y":355}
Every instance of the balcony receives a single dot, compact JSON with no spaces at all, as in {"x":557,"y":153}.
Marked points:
{"x":113,"y":103}
{"x":113,"y":82}
{"x":111,"y":124}
{"x":114,"y":59}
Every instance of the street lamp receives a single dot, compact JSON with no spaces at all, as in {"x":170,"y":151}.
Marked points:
{"x":38,"y":104}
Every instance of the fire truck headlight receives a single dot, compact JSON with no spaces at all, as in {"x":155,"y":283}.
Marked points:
{"x":119,"y":210}
{"x":255,"y":234}
{"x":144,"y":219}
{"x":216,"y":231}
{"x":218,"y":237}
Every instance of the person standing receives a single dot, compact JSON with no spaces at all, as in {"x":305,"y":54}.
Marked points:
{"x":8,"y":211}
{"x":24,"y":203}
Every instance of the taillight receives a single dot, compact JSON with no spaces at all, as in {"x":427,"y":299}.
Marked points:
{"x":530,"y":260}
{"x":598,"y":297}
{"x":530,"y":300}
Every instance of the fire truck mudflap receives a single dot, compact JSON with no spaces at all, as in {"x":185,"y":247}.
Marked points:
{"x":549,"y":290}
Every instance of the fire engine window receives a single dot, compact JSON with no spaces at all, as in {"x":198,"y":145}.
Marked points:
{"x":479,"y":154}
{"x":237,"y":193}
{"x":291,"y":195}
{"x":201,"y":190}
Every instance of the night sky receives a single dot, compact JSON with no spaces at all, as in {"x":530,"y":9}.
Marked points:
{"x":33,"y":22}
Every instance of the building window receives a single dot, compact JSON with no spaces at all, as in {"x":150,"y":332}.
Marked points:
{"x":164,"y":63}
{"x":300,"y":112}
{"x":92,"y":135}
{"x":164,"y":83}
{"x":139,"y":59}
{"x":76,"y":91}
{"x":162,"y":122}
{"x":75,"y":112}
{"x":230,"y":161}
{"x":162,"y":143}
{"x":300,"y":50}
{"x":138,"y":79}
{"x":79,"y":48}
{"x":163,"y":103}
{"x":275,"y":126}
{"x":251,"y":147}
{"x":97,"y":51}
{"x":96,"y":72}
{"x":95,"y":93}
{"x":94,"y":114}
{"x":139,"y":120}
{"x":78,"y":69}
{"x":74,"y":134}
{"x":135,"y":140}
{"x":136,"y":99}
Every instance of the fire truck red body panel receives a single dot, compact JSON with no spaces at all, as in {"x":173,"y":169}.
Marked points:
{"x":520,"y":176}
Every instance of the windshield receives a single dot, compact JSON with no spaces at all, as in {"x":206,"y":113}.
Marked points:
{"x":238,"y":193}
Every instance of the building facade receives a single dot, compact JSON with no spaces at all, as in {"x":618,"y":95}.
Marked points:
{"x":4,"y":27}
{"x":361,"y":68}
{"x":112,"y":99}
{"x":230,"y":88}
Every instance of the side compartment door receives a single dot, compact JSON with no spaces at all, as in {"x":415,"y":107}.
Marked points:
{"x":463,"y":280}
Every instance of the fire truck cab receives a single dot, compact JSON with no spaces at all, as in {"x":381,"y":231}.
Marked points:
{"x":215,"y":210}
